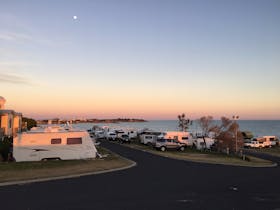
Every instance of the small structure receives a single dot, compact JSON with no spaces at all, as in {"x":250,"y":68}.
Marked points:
{"x":10,"y":121}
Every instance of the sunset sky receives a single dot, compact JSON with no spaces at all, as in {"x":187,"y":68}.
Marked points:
{"x":151,"y":59}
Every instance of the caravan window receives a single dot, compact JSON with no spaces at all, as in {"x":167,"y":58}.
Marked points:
{"x":74,"y":140}
{"x":185,"y":138}
{"x":55,"y":141}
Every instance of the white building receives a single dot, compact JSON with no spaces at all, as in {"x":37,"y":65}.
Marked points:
{"x":10,"y":121}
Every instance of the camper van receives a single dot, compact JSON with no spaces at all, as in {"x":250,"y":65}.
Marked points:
{"x":180,"y":136}
{"x":53,"y":143}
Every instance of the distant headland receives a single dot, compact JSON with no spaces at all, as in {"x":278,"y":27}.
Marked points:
{"x":74,"y":121}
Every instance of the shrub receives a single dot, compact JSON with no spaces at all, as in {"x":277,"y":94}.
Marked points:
{"x":5,"y":145}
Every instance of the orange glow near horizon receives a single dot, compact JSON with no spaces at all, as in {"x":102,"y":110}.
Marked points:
{"x":147,"y":102}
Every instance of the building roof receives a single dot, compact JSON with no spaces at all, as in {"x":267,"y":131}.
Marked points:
{"x":8,"y":111}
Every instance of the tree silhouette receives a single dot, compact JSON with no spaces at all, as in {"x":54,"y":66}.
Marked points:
{"x":183,"y":122}
{"x":228,"y":136}
{"x":29,"y":123}
{"x":205,"y":123}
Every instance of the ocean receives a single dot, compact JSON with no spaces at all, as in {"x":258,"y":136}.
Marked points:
{"x":257,"y":127}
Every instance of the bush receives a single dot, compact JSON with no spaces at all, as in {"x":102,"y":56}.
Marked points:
{"x":30,"y":123}
{"x":5,"y":145}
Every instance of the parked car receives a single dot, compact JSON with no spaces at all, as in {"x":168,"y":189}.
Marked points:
{"x":124,"y":138}
{"x":164,"y":144}
{"x":254,"y":144}
{"x":111,"y":136}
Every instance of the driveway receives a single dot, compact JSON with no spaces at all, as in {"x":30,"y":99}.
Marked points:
{"x":155,"y":183}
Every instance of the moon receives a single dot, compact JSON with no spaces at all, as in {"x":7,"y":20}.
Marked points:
{"x":75,"y":17}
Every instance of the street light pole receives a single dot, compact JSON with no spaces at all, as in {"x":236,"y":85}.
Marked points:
{"x":235,"y":118}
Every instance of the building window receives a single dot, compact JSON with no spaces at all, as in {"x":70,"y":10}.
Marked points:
{"x":74,"y":140}
{"x":55,"y":141}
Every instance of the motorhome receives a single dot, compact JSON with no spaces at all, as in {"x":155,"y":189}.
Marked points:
{"x":53,"y":143}
{"x":180,"y":136}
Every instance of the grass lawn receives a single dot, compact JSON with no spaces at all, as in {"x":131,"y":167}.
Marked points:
{"x":13,"y":171}
{"x":205,"y":156}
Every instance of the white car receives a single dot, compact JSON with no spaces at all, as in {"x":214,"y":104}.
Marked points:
{"x":254,"y":144}
{"x":111,"y":136}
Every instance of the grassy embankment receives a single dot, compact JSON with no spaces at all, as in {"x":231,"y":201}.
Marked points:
{"x":13,"y":171}
{"x":205,"y":156}
{"x":274,"y":151}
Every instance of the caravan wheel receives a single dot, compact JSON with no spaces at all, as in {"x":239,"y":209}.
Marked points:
{"x":182,"y":149}
{"x":162,"y":149}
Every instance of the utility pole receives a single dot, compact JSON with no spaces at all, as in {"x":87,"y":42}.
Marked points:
{"x":235,"y":118}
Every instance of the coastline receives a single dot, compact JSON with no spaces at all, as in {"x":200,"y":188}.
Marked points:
{"x":113,"y":120}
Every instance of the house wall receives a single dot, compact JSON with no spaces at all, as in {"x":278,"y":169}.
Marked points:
{"x":7,"y":122}
{"x":16,"y":124}
{"x":10,"y":124}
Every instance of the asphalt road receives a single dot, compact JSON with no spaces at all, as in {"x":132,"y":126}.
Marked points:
{"x":155,"y":183}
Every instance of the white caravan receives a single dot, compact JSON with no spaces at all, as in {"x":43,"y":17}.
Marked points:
{"x":132,"y":133}
{"x":270,"y":140}
{"x":263,"y":141}
{"x":203,"y":143}
{"x":181,"y":136}
{"x":53,"y":143}
{"x":149,"y":137}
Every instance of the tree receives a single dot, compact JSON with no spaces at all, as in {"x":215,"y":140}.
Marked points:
{"x":228,"y":136}
{"x":205,"y":123}
{"x":183,"y":122}
{"x":5,"y":145}
{"x":29,"y":123}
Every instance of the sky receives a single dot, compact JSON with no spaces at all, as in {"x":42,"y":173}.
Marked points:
{"x":149,"y":59}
